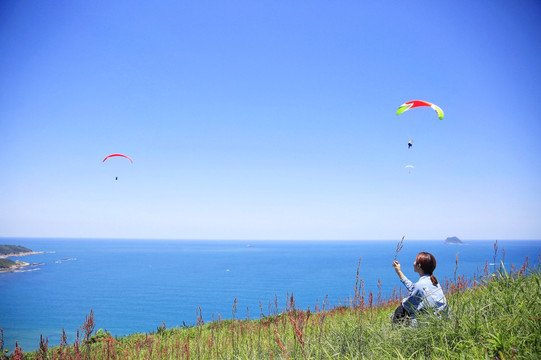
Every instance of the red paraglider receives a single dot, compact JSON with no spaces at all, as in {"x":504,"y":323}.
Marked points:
{"x":117,"y":155}
{"x":121,"y":155}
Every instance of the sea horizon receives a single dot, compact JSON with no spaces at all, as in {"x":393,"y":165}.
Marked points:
{"x":76,"y":238}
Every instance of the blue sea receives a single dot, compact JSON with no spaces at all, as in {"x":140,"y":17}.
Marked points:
{"x":133,"y":286}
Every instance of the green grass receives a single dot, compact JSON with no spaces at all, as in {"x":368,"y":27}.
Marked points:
{"x":495,"y":317}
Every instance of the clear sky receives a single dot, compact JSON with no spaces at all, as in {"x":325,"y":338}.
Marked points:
{"x":270,"y":119}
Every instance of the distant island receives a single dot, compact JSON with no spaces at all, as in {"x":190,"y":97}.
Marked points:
{"x":453,"y":240}
{"x":13,"y":250}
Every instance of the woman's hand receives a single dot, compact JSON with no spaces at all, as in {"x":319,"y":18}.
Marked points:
{"x":396,"y":266}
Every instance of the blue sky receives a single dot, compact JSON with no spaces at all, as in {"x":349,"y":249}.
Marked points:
{"x":270,"y":119}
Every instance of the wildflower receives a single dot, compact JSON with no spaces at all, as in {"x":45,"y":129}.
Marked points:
{"x":279,"y":342}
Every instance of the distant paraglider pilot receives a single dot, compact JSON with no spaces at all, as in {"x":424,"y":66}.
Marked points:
{"x":117,"y":155}
{"x":409,"y":144}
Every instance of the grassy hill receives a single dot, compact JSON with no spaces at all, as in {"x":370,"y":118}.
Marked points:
{"x":497,"y":316}
{"x":6,"y":263}
{"x":13,"y":249}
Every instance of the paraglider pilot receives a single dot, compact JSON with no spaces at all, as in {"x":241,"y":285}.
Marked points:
{"x":409,"y":144}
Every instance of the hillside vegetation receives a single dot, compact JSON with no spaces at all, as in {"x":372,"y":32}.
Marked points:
{"x":496,"y":316}
{"x":13,"y":249}
{"x":6,"y":263}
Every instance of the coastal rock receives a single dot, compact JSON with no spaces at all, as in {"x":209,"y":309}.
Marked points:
{"x":13,"y":266}
{"x":7,"y":265}
{"x":453,"y":240}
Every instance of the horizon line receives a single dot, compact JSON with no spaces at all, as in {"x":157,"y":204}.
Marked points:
{"x":246,"y":239}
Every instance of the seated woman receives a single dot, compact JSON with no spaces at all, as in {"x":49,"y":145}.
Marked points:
{"x":426,"y":295}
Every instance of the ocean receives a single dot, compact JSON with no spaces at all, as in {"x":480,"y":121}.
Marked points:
{"x":134,"y":286}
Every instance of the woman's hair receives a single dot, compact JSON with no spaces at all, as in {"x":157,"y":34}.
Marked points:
{"x":427,"y":261}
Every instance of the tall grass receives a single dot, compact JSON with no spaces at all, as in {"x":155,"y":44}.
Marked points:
{"x":496,"y":315}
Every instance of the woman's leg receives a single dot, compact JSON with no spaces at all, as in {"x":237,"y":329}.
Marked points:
{"x":400,"y":315}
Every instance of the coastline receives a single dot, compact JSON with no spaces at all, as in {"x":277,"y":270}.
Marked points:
{"x":3,"y":256}
{"x":19,"y":264}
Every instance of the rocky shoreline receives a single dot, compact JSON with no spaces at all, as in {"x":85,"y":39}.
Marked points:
{"x":19,"y":265}
{"x":3,"y":256}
